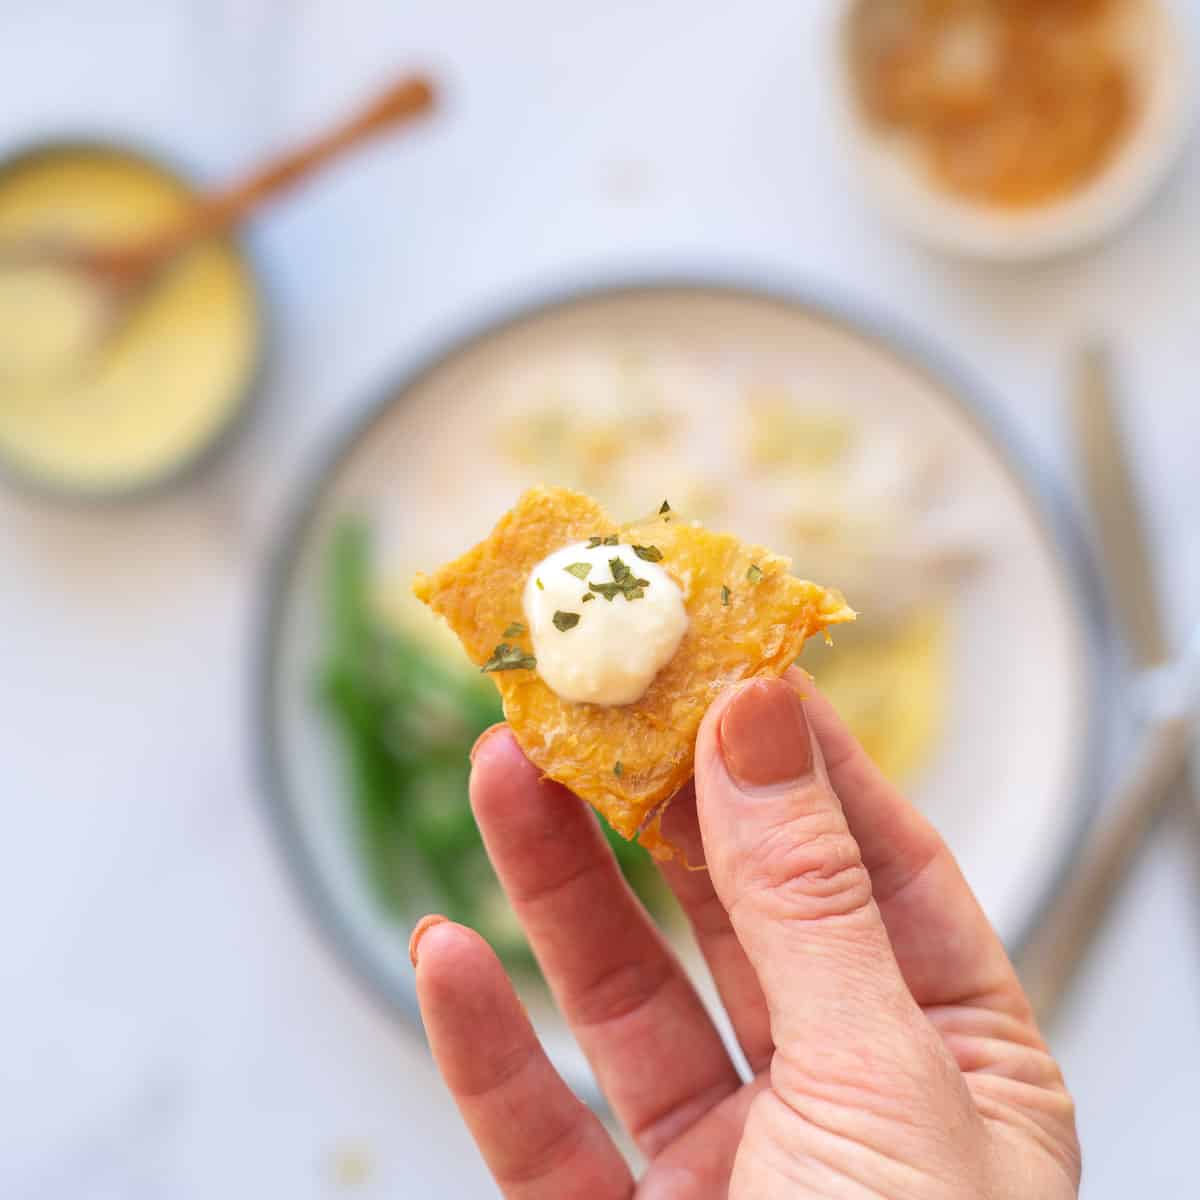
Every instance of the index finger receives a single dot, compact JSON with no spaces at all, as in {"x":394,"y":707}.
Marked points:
{"x":631,"y":1006}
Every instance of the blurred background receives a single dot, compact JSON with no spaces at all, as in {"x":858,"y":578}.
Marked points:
{"x":863,"y":281}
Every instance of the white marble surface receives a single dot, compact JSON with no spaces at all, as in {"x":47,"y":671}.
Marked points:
{"x":169,"y":1025}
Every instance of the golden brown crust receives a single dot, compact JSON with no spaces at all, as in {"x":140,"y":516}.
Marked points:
{"x":759,"y":631}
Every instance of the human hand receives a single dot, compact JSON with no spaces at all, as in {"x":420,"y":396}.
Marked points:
{"x":892,"y":1049}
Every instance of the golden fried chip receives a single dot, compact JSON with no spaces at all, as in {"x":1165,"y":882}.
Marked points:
{"x":747,"y":616}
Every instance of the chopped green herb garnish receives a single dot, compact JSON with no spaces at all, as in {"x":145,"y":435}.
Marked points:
{"x":725,"y":596}
{"x":666,"y":508}
{"x":580,"y":569}
{"x":565,"y":620}
{"x":624,"y":583}
{"x":514,"y":630}
{"x":593,"y":542}
{"x":509,"y":658}
{"x":586,"y":597}
{"x":612,"y":540}
{"x":648,"y":553}
{"x":618,"y":769}
{"x":754,"y":574}
{"x":541,"y":587}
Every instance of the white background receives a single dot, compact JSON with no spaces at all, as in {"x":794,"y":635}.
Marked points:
{"x":169,"y":1024}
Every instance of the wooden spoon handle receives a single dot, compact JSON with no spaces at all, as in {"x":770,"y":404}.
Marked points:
{"x":221,"y":210}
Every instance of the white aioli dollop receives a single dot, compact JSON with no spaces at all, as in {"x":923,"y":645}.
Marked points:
{"x":618,"y":646}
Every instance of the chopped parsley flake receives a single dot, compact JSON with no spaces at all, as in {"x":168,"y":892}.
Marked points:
{"x":618,"y":769}
{"x":666,"y":508}
{"x":648,"y":553}
{"x":509,"y":658}
{"x":586,"y":597}
{"x":565,"y":620}
{"x":624,"y":583}
{"x":725,"y":596}
{"x":580,"y":569}
{"x":541,"y":587}
{"x":514,"y":630}
{"x":754,"y":574}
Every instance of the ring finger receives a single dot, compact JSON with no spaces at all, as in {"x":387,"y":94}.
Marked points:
{"x":735,"y":979}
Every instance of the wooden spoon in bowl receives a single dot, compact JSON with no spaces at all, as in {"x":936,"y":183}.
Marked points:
{"x":117,"y":276}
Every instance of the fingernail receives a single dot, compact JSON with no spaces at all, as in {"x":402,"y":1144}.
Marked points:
{"x":764,"y":735}
{"x":483,"y":737}
{"x":422,"y":927}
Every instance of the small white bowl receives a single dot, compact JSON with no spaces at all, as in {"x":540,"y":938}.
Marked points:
{"x":907,"y":193}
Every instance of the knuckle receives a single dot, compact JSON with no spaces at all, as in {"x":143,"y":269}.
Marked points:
{"x":709,"y":918}
{"x":855,"y":1080}
{"x":807,"y":869}
{"x":557,"y":1142}
{"x":618,"y":992}
{"x":497,"y":1075}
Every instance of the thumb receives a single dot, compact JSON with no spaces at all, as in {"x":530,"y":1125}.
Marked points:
{"x":787,"y":868}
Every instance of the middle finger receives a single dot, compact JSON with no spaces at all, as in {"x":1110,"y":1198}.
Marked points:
{"x":735,"y":979}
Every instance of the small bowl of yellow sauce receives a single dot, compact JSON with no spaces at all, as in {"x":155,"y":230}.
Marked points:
{"x":156,"y":396}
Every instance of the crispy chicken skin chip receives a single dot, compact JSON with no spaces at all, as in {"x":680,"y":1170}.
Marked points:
{"x":747,"y":616}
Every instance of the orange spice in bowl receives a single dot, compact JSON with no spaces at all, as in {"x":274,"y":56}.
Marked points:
{"x":1008,"y":103}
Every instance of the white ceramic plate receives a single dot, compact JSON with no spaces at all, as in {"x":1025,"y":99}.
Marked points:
{"x":1007,"y":784}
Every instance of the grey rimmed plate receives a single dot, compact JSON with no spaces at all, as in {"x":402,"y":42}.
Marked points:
{"x":1010,"y":783}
